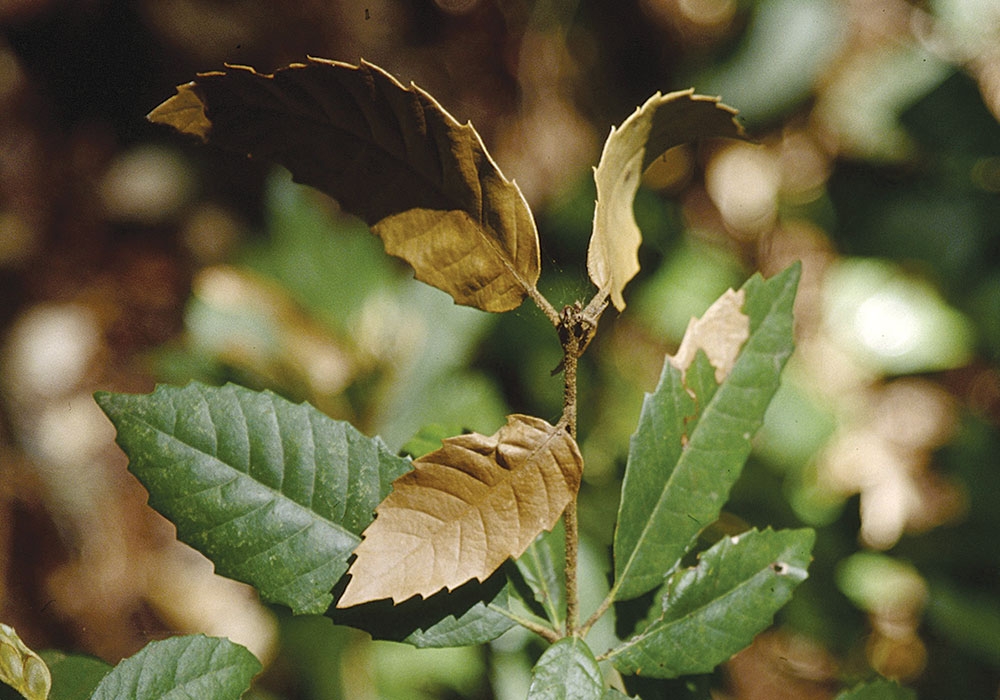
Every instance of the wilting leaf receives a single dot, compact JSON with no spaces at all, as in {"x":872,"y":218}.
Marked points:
{"x":710,"y":612}
{"x":566,"y":671}
{"x":464,"y":509}
{"x":274,"y":493}
{"x":720,"y":332}
{"x":693,"y":439}
{"x":390,"y":154}
{"x":195,"y":666}
{"x":663,"y":122}
{"x":881,"y":689}
{"x":21,"y":668}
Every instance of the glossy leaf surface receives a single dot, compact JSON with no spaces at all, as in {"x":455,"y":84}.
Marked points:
{"x":194,"y":666}
{"x":710,"y":612}
{"x":276,"y":494}
{"x":688,"y":451}
{"x":566,"y":671}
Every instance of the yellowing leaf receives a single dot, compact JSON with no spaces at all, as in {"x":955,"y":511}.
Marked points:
{"x":390,"y":154}
{"x":720,"y":332}
{"x":663,"y":122}
{"x":21,"y":668}
{"x":464,"y":509}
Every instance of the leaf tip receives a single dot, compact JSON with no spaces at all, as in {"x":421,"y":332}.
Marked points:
{"x":185,"y":112}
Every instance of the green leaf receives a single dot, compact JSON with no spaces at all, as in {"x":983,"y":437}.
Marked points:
{"x":21,"y":668}
{"x":470,"y":614}
{"x":664,"y":121}
{"x":429,"y":438}
{"x":567,"y":670}
{"x":878,"y":690}
{"x":710,"y":612}
{"x":614,"y":694}
{"x":195,"y":666}
{"x":543,"y":566}
{"x":74,"y":676}
{"x":687,"y":452}
{"x":274,"y":493}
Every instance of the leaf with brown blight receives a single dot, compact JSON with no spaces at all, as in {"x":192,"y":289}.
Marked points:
{"x":464,"y":509}
{"x":390,"y":154}
{"x":720,"y":332}
{"x":664,"y":121}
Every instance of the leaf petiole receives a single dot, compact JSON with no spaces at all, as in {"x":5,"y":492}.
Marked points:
{"x":541,"y":629}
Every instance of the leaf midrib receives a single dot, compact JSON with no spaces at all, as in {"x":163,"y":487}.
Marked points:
{"x":508,"y":475}
{"x":653,"y":627}
{"x":277,"y":493}
{"x":710,"y":410}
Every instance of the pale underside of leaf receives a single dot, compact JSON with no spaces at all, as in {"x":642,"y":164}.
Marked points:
{"x":664,"y":121}
{"x":720,"y":332}
{"x":464,"y":509}
{"x":390,"y":154}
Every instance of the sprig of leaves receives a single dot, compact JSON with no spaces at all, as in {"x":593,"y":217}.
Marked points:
{"x":278,"y":495}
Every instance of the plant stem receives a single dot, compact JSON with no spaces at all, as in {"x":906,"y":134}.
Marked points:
{"x":571,"y":352}
{"x":576,"y":327}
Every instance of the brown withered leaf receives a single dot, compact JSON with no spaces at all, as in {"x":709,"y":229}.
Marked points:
{"x":663,"y":122}
{"x":464,"y":509}
{"x":390,"y":154}
{"x":720,"y":332}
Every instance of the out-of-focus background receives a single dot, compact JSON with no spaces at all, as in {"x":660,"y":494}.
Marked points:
{"x":130,"y":255}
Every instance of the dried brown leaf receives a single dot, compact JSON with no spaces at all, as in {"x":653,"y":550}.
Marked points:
{"x":720,"y":332}
{"x":464,"y":509}
{"x":390,"y":154}
{"x":664,"y":121}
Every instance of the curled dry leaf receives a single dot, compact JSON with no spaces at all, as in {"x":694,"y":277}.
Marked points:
{"x":720,"y":332}
{"x":390,"y":154}
{"x":464,"y":509}
{"x":663,"y":122}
